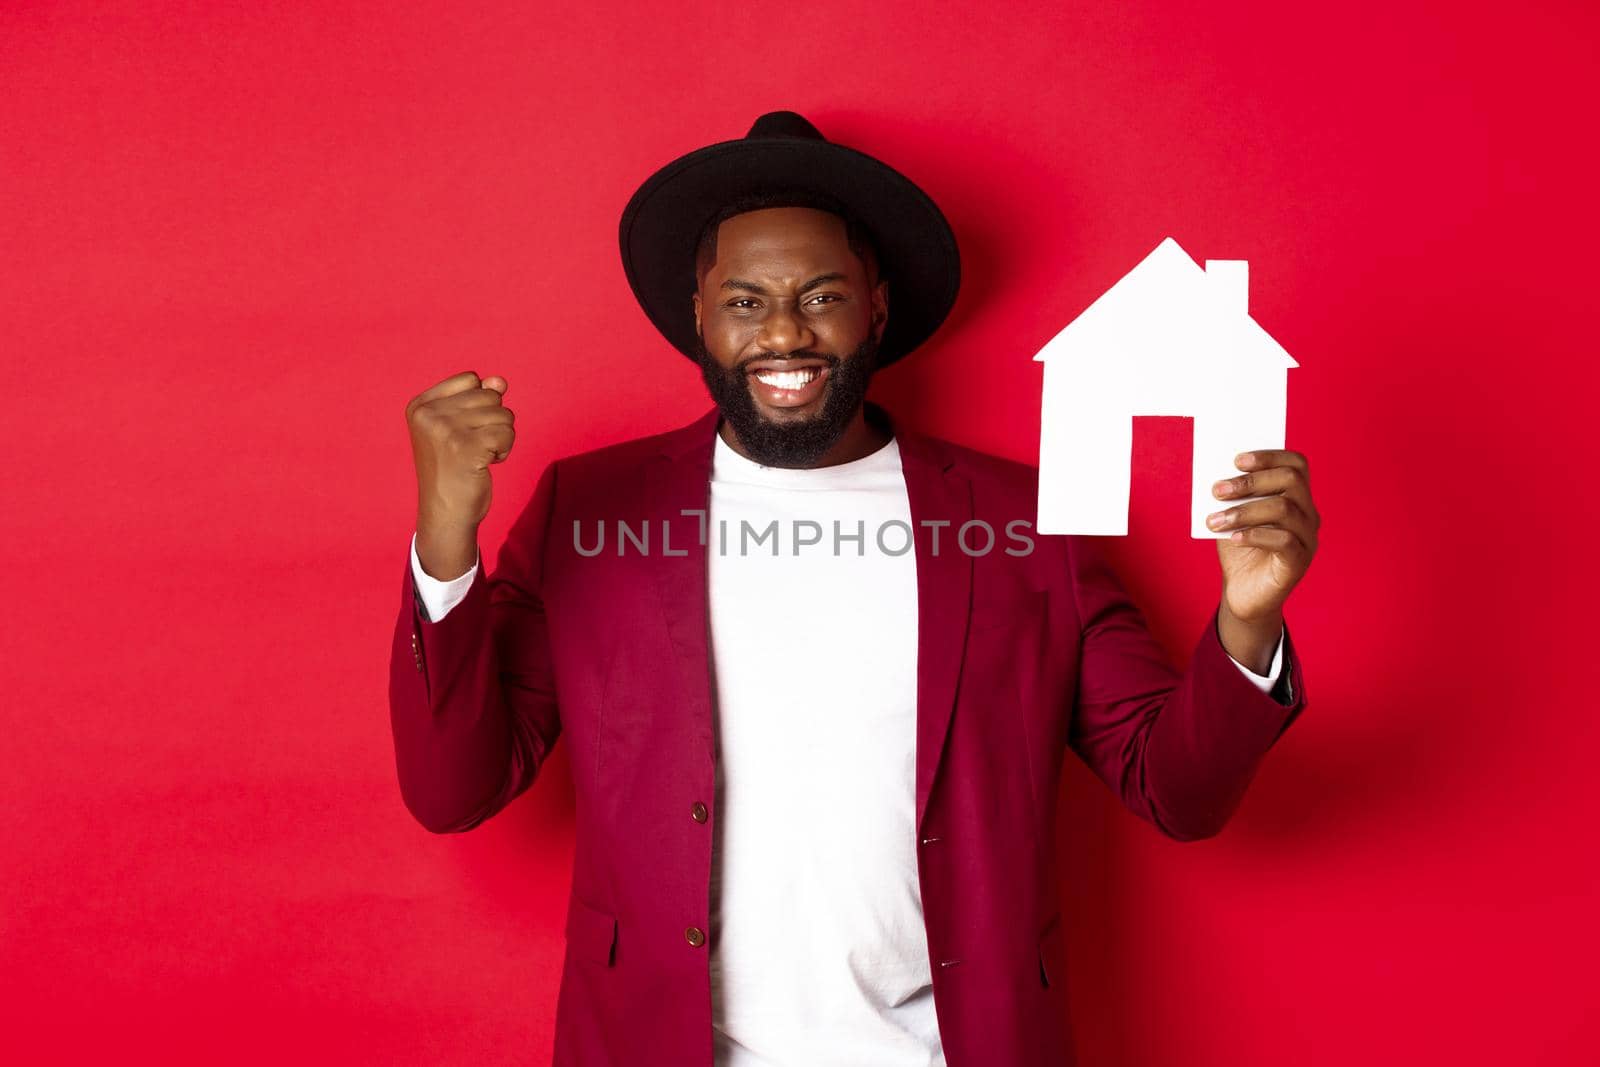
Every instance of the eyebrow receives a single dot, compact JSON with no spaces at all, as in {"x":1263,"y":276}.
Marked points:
{"x":752,"y":287}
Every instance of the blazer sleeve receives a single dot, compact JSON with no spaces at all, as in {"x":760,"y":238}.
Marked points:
{"x":1178,"y":748}
{"x":472,"y":701}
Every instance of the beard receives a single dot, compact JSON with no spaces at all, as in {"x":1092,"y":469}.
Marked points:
{"x":798,"y":442}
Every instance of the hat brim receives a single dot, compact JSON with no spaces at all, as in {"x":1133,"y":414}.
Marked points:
{"x":916,"y":247}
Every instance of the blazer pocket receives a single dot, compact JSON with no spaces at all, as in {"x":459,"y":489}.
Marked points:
{"x":591,"y":933}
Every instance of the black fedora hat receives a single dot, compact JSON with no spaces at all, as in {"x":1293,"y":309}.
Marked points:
{"x":784,"y":153}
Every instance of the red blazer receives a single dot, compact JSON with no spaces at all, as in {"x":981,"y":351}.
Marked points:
{"x":1020,"y":658}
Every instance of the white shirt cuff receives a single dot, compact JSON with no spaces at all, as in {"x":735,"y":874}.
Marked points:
{"x":1265,"y":682}
{"x":439,"y":597}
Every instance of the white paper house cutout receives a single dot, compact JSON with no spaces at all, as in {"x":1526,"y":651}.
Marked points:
{"x":1168,"y":339}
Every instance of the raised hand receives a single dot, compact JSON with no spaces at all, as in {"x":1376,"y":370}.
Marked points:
{"x":1268,"y":549}
{"x":459,"y":428}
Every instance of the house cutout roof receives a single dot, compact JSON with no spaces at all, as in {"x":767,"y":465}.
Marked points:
{"x":1169,"y":295}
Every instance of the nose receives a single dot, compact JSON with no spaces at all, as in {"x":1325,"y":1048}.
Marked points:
{"x":784,"y":329}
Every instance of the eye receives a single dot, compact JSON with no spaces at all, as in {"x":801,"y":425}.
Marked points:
{"x":741,"y":300}
{"x":826,"y":296}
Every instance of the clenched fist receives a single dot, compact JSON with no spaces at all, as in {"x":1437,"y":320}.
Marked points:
{"x":458,"y":428}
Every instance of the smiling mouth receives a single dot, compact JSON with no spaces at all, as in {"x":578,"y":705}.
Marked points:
{"x":787,"y":379}
{"x":789,"y":386}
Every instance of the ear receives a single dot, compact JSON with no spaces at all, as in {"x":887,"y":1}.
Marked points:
{"x":697,"y":315}
{"x":880,"y":309}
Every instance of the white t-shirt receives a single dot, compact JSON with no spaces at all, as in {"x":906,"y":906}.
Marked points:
{"x":818,"y":951}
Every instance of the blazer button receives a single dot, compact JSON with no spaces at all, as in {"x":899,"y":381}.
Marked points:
{"x":698,"y":812}
{"x":694,"y":936}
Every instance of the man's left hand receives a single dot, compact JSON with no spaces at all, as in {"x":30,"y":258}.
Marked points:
{"x":1269,"y":546}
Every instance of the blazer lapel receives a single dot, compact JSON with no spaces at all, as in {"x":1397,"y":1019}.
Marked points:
{"x":941,"y":501}
{"x":940,"y":495}
{"x":679,"y":480}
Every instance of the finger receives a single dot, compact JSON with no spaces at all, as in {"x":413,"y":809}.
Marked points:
{"x":456,"y":383}
{"x":1271,"y":510}
{"x":466,"y":400}
{"x":1304,"y":539}
{"x":1282,"y":479}
{"x":497,"y":441}
{"x":487,"y":415}
{"x":1277,"y":512}
{"x":1262,"y":458}
{"x":495,"y":382}
{"x":1271,"y":538}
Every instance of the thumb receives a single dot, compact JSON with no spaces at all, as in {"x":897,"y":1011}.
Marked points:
{"x":495,"y":382}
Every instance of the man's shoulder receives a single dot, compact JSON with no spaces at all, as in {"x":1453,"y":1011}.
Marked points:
{"x":987,"y":469}
{"x":612,"y":458}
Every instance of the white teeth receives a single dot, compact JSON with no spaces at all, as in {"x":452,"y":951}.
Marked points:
{"x":788,"y":379}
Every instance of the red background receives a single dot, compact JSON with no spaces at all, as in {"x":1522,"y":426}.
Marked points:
{"x":237,"y":238}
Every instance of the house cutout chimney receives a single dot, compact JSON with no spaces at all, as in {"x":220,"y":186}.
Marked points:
{"x":1230,"y":278}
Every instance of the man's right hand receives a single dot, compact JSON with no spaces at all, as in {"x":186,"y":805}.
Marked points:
{"x":458,"y":428}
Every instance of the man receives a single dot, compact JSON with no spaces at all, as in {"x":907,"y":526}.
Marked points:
{"x":816,"y":675}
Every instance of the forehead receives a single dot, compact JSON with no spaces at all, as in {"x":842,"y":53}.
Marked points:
{"x":782,"y":238}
